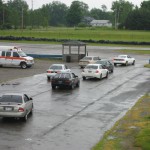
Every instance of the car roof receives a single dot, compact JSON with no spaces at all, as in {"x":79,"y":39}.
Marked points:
{"x":21,"y":94}
{"x":57,"y":64}
{"x":94,"y":64}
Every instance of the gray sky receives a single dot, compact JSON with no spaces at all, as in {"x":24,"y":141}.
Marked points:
{"x":91,"y":3}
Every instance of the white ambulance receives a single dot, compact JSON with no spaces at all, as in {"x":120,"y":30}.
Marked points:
{"x":14,"y":56}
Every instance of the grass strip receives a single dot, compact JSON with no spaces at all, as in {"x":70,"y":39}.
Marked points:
{"x":130,"y":132}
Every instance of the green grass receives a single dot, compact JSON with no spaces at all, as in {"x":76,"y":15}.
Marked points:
{"x":81,"y":33}
{"x":147,"y":65}
{"x":130,"y":132}
{"x":142,"y":52}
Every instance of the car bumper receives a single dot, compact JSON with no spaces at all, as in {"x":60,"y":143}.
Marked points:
{"x":89,"y":75}
{"x":12,"y":114}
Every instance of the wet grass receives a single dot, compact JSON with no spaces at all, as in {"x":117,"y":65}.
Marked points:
{"x":132,"y":132}
{"x":142,"y":52}
{"x":147,"y":65}
{"x":81,"y":33}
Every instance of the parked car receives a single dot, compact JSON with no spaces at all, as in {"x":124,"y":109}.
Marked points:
{"x":107,"y":64}
{"x":16,"y":105}
{"x":94,"y":71}
{"x":124,"y":60}
{"x":56,"y":68}
{"x":88,"y":60}
{"x":69,"y":80}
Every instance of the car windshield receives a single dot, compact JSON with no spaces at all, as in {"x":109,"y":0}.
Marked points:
{"x":91,"y":67}
{"x":87,"y":58}
{"x":62,"y":75}
{"x":56,"y":67}
{"x":121,"y":56}
{"x":22,"y":54}
{"x":11,"y":98}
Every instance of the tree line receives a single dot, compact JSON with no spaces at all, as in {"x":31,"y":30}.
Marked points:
{"x":123,"y":15}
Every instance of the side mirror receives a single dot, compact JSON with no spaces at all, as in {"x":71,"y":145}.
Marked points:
{"x":30,"y":98}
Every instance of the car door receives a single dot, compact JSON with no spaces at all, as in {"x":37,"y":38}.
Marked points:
{"x":130,"y":59}
{"x":8,"y":58}
{"x":3,"y":57}
{"x":15,"y":59}
{"x":28,"y":103}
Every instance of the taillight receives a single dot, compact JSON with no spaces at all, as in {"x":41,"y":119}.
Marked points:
{"x":48,"y":71}
{"x":68,"y":81}
{"x":21,"y":109}
{"x":96,"y":71}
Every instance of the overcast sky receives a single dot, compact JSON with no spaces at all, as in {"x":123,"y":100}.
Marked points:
{"x":91,"y":3}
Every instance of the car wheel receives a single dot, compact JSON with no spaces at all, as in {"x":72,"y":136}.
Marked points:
{"x":31,"y":112}
{"x":112,"y":70}
{"x":107,"y":75}
{"x":115,"y":64}
{"x":23,"y":65}
{"x":48,"y":78}
{"x":78,"y":84}
{"x":100,"y":76}
{"x":84,"y":78}
{"x":126,"y":63}
{"x":71,"y":86}
{"x":53,"y":87}
{"x":133,"y":62}
{"x":25,"y":118}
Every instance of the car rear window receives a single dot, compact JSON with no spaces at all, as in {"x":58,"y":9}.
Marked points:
{"x":101,"y":62}
{"x":62,"y":75}
{"x":11,"y":98}
{"x":87,"y":58}
{"x":56,"y":67}
{"x":91,"y":67}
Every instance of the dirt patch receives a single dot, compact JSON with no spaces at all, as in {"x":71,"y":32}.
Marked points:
{"x":40,"y":66}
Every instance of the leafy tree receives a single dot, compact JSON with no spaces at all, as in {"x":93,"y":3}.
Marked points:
{"x":145,"y":5}
{"x":58,"y":13}
{"x":121,"y":9}
{"x":139,"y":19}
{"x":17,"y":12}
{"x":76,"y":12}
{"x":99,"y":14}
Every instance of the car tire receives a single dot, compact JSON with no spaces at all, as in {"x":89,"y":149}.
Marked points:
{"x":100,"y":77}
{"x":78,"y":84}
{"x":53,"y":87}
{"x":25,"y":118}
{"x":84,"y":78}
{"x":133,"y":62}
{"x":31,"y":112}
{"x":71,"y":86}
{"x":107,"y":75}
{"x":23,"y":65}
{"x":126,"y":64}
{"x":112,"y":70}
{"x":48,"y":78}
{"x":115,"y":64}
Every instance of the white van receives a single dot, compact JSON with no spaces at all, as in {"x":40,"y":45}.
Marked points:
{"x":14,"y":56}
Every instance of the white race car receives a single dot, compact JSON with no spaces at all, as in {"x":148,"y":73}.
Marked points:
{"x":94,"y":71}
{"x":124,"y":60}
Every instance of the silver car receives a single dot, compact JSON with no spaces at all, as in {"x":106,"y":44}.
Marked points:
{"x":16,"y":105}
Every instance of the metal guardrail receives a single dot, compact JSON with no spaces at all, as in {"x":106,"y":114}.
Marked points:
{"x":45,"y":56}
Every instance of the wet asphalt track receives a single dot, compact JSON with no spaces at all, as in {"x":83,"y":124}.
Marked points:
{"x":73,"y":119}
